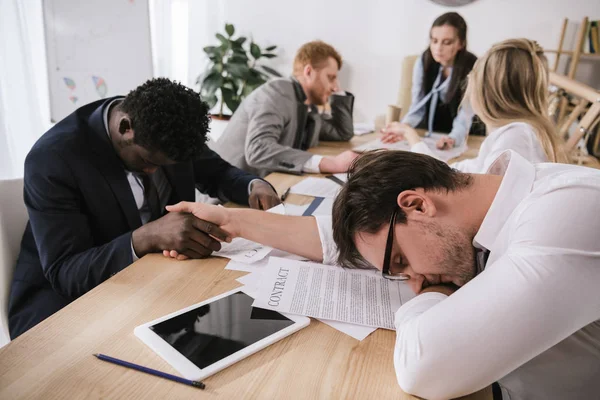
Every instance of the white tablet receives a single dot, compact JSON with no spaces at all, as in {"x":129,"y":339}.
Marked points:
{"x":202,"y":339}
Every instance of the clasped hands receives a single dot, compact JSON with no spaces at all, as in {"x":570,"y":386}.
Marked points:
{"x":188,"y":234}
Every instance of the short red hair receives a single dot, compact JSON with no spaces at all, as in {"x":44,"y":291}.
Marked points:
{"x":315,"y":53}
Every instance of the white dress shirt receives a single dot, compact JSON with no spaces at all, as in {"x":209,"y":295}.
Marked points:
{"x":517,"y":136}
{"x":531,"y":319}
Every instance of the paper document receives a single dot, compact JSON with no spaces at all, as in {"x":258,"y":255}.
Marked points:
{"x":430,"y":141}
{"x":320,"y":206}
{"x":294,"y":209}
{"x":260,"y":265}
{"x":251,"y":284}
{"x":243,"y":250}
{"x":361,"y":128}
{"x":320,"y":187}
{"x":356,"y":296}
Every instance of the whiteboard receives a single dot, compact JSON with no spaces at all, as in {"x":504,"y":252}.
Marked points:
{"x":95,"y":49}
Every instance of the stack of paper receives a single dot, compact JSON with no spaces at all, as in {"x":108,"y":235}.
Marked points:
{"x":253,"y":257}
{"x":362,"y":128}
{"x":318,"y":187}
{"x":444,"y":155}
{"x":360,"y":297}
{"x":254,"y":281}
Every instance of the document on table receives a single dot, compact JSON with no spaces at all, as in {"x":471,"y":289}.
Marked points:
{"x":251,"y":284}
{"x":319,"y":206}
{"x":319,"y":187}
{"x":360,"y":297}
{"x":362,"y":128}
{"x":260,"y":265}
{"x":243,"y":250}
{"x":430,"y":141}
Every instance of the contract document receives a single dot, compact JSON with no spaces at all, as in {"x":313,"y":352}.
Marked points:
{"x":360,"y":297}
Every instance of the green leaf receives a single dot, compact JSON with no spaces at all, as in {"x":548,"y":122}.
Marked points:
{"x":238,"y":58}
{"x":211,"y":83}
{"x":223,"y":39}
{"x":269,"y":55}
{"x":210,"y":100}
{"x":210,"y":50}
{"x":229,"y":29}
{"x":231,"y":100}
{"x":271,"y":48}
{"x":237,"y":70}
{"x":240,"y":40}
{"x":271,"y":71}
{"x":254,"y":50}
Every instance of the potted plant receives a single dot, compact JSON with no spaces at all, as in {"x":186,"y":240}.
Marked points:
{"x":234,"y":71}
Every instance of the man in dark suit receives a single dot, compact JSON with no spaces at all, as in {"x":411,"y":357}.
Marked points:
{"x":96,"y":185}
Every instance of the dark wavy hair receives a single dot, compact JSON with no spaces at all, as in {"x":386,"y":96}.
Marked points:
{"x":168,"y":117}
{"x":375,"y":179}
{"x":462,"y":62}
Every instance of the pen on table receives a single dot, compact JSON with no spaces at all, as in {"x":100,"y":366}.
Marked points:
{"x":285,"y":194}
{"x":196,"y":384}
{"x":335,"y":179}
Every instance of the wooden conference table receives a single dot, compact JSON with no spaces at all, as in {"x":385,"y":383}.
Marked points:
{"x":54,"y":359}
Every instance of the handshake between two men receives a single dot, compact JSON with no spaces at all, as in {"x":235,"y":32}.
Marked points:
{"x":188,"y":234}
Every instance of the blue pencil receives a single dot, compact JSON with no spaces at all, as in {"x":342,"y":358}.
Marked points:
{"x":151,"y":371}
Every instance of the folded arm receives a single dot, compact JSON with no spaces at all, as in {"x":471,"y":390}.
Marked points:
{"x":340,"y":126}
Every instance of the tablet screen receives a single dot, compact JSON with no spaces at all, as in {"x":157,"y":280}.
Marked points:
{"x":216,"y":330}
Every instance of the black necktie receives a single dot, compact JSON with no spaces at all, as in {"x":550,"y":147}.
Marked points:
{"x":308,"y":131}
{"x":481,"y":257}
{"x":151,"y":195}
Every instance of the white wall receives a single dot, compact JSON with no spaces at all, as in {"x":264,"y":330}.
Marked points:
{"x":373,"y":36}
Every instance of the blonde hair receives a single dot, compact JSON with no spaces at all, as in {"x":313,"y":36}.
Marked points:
{"x":316,"y":54}
{"x":509,"y":84}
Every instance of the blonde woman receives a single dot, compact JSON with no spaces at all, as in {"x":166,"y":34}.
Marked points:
{"x":508,"y":90}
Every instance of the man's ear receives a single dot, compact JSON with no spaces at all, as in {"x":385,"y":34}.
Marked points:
{"x":416,"y":203}
{"x":308,"y":70}
{"x":124,"y":125}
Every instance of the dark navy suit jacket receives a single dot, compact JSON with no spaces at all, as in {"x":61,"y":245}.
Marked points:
{"x":82,"y":212}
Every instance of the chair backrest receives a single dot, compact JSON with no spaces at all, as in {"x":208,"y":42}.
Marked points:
{"x":13,"y":220}
{"x":404,"y":95}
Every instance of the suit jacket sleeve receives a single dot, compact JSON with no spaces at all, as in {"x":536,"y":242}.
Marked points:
{"x":262,"y":149}
{"x":339,"y":127}
{"x":217,"y":178}
{"x":71,"y":259}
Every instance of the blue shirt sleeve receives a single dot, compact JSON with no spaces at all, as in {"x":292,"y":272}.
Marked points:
{"x":414,"y":114}
{"x":462,"y":123}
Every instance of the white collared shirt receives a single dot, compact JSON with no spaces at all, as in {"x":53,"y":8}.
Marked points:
{"x":531,"y":319}
{"x":517,"y":136}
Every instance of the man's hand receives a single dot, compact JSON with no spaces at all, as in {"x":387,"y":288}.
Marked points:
{"x":180,"y":231}
{"x":262,"y":196}
{"x":219,"y":216}
{"x":445,"y":143}
{"x":339,"y":163}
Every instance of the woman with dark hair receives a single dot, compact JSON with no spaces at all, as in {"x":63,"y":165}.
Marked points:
{"x":439,"y":79}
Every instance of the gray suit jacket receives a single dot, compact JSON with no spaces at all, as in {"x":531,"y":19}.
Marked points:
{"x":267,"y":131}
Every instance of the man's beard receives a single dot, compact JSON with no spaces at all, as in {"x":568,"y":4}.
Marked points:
{"x":457,"y":252}
{"x":315,"y":98}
